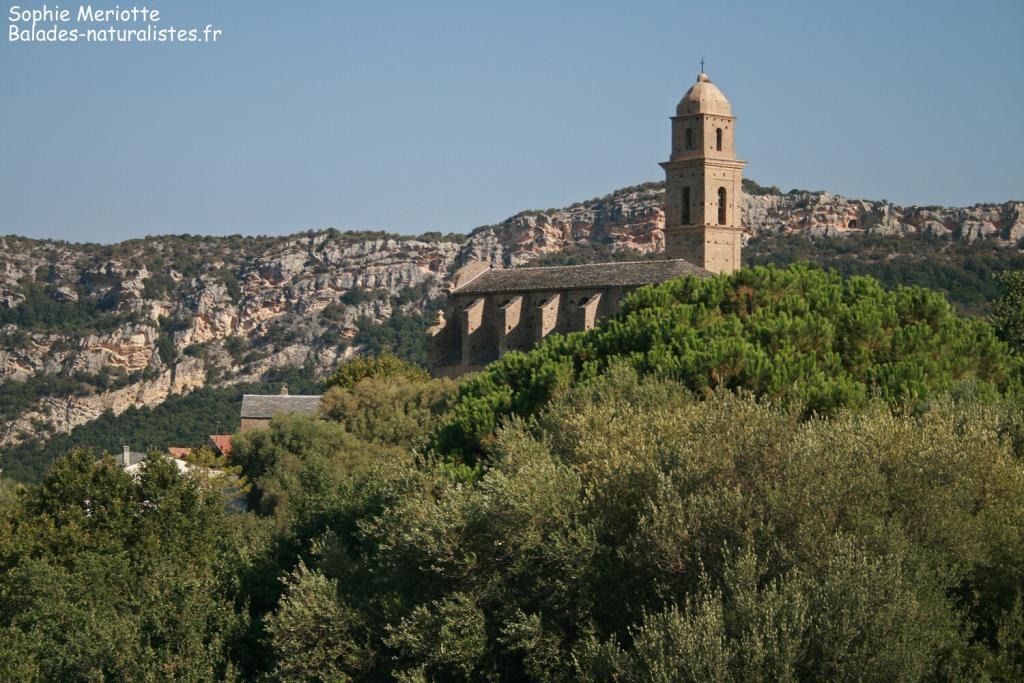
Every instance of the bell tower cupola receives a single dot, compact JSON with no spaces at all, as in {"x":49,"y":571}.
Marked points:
{"x":703,"y":181}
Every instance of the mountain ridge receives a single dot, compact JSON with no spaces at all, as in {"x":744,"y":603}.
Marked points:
{"x":87,"y":329}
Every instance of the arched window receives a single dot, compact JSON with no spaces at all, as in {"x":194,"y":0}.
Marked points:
{"x":686,"y":206}
{"x":689,"y":139}
{"x":721,"y":206}
{"x":718,"y":139}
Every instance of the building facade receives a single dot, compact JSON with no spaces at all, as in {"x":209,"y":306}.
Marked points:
{"x":259,"y":409}
{"x":491,"y":311}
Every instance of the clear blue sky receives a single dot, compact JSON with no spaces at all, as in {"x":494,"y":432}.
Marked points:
{"x":415,"y":116}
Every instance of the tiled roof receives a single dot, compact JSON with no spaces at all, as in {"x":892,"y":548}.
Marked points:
{"x":176,"y":452}
{"x":266,"y":406}
{"x":589,"y":276}
{"x":222,"y":442}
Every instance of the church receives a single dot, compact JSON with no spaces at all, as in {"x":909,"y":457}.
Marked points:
{"x":491,"y":310}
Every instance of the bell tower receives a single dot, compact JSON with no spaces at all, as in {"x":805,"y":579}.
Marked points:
{"x":703,"y":181}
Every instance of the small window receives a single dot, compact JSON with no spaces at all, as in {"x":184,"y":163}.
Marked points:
{"x":721,"y":206}
{"x":689,"y":139}
{"x":718,"y":139}
{"x":686,"y":206}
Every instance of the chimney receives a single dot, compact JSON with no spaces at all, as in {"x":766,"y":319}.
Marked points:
{"x":126,"y":456}
{"x":284,"y":389}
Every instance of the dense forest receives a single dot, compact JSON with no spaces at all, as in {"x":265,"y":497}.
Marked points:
{"x":963,"y":271}
{"x":784,"y":474}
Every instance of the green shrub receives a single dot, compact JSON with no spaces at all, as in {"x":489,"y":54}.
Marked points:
{"x":237,"y":346}
{"x":231,"y":284}
{"x":296,"y":464}
{"x":402,"y":334}
{"x":383,"y":366}
{"x":109,"y":576}
{"x":577,"y":254}
{"x":1008,"y":311}
{"x":157,"y":286}
{"x":751,"y":187}
{"x":392,"y":409}
{"x":41,"y":313}
{"x":17,"y":396}
{"x":359,"y":295}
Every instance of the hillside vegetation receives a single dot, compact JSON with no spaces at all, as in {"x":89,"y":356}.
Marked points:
{"x":627,"y":528}
{"x":90,"y":330}
{"x":963,"y":271}
{"x":183,"y":421}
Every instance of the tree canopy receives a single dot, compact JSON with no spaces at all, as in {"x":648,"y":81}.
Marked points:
{"x":1008,"y":310}
{"x":777,"y":475}
{"x":385,"y":365}
{"x":105,"y":575}
{"x":800,"y":335}
{"x":631,"y":532}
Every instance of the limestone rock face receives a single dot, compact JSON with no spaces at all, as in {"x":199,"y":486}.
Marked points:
{"x":820,"y":213}
{"x":239,"y":313}
{"x":62,"y":414}
{"x":1014,"y":222}
{"x":130,"y":348}
{"x":628,"y":219}
{"x":65,"y":294}
{"x":228,"y":310}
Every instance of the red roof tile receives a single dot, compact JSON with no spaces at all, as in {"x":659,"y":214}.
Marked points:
{"x":222,"y":442}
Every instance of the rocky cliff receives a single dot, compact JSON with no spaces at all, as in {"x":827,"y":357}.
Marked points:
{"x":138,"y":321}
{"x":632,"y":218}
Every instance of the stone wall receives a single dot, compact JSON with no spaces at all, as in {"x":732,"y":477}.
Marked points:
{"x":478,"y":329}
{"x":254,"y":423}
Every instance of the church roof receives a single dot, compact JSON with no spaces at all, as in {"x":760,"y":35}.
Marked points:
{"x":704,"y":98}
{"x":589,"y":276}
{"x":265,"y":406}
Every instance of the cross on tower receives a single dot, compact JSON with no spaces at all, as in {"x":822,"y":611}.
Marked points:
{"x":702,"y":65}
